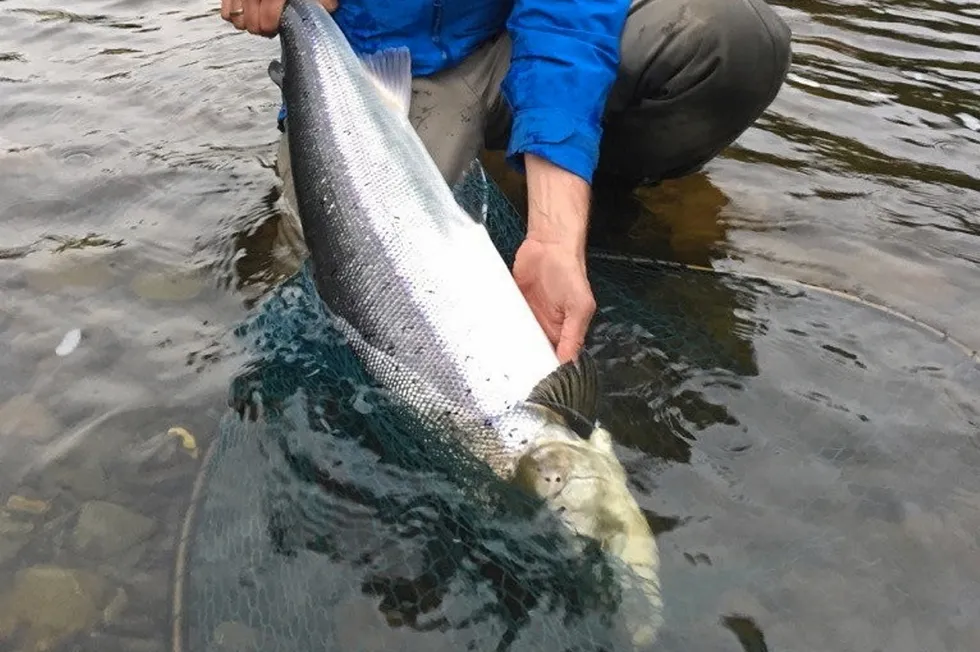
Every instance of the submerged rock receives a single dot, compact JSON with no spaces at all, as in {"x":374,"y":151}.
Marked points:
{"x":10,"y":547}
{"x":105,"y":529}
{"x":174,"y":285}
{"x":50,"y":604}
{"x":17,"y":503}
{"x":14,"y":535}
{"x":12,"y":527}
{"x":83,"y":480}
{"x":114,"y":611}
{"x":24,"y":417}
{"x":64,"y":272}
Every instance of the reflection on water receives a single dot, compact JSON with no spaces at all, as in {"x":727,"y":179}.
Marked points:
{"x":864,"y":175}
{"x":807,"y":462}
{"x":784,"y":444}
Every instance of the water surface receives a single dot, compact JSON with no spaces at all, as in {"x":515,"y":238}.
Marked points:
{"x":137,"y":203}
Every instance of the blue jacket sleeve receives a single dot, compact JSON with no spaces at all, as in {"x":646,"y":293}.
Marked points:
{"x":564,"y":58}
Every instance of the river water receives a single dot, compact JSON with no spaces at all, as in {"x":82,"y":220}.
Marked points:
{"x":138,"y":205}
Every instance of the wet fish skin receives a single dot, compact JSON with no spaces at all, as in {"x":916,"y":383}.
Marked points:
{"x":426,"y":302}
{"x":585,"y":484}
{"x":412,"y":280}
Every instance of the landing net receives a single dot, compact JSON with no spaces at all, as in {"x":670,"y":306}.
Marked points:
{"x":781,"y":438}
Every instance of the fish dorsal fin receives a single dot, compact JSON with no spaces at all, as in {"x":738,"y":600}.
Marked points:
{"x":276,"y":73}
{"x":391,"y":71}
{"x":571,"y":391}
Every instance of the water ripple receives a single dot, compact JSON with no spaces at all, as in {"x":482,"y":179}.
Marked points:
{"x":137,"y":205}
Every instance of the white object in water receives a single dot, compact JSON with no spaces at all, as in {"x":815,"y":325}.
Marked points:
{"x":69,"y":342}
{"x":969,"y":121}
{"x":802,"y":80}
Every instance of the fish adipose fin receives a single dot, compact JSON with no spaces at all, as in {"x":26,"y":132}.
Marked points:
{"x":391,"y":71}
{"x":571,"y":391}
{"x":276,"y":73}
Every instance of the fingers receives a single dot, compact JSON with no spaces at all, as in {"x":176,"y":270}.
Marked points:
{"x":577,"y":319}
{"x":260,"y":16}
{"x":550,"y":326}
{"x":253,"y":9}
{"x":269,"y":13}
{"x":231,"y":11}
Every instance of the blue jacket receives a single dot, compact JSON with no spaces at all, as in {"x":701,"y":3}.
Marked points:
{"x":564,"y":59}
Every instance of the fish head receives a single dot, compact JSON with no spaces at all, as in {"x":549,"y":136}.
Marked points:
{"x":571,"y":465}
{"x":570,"y":474}
{"x":582,"y":481}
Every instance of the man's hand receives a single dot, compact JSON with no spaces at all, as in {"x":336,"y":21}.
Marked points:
{"x":260,"y":16}
{"x":549,"y":266}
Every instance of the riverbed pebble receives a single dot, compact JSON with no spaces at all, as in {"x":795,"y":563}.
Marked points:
{"x":104,"y":529}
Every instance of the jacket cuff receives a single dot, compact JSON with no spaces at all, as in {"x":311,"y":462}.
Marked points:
{"x":556,"y":136}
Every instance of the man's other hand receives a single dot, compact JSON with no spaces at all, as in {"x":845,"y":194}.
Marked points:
{"x":549,"y":266}
{"x":553,"y":279}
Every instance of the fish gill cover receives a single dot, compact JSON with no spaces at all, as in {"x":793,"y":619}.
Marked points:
{"x":327,"y":518}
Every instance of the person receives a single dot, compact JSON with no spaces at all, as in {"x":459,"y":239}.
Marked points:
{"x":582,"y":95}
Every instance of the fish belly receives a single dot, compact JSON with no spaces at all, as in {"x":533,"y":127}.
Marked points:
{"x":412,"y":280}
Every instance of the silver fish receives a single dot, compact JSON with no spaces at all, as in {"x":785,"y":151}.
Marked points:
{"x":426,"y":302}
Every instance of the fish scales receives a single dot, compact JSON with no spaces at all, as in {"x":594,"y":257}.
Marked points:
{"x":414,"y":281}
{"x":431,"y":309}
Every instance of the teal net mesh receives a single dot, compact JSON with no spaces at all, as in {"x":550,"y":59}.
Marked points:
{"x":768,"y":441}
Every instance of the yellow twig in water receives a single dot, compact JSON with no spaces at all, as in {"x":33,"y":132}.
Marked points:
{"x":186,"y":440}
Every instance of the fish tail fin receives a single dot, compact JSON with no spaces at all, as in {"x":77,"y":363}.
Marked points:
{"x":571,"y":391}
{"x":391,"y":71}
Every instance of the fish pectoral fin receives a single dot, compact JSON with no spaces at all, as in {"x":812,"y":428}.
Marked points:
{"x":602,"y":440}
{"x":572,"y":391}
{"x":391,"y":71}
{"x":276,"y":72}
